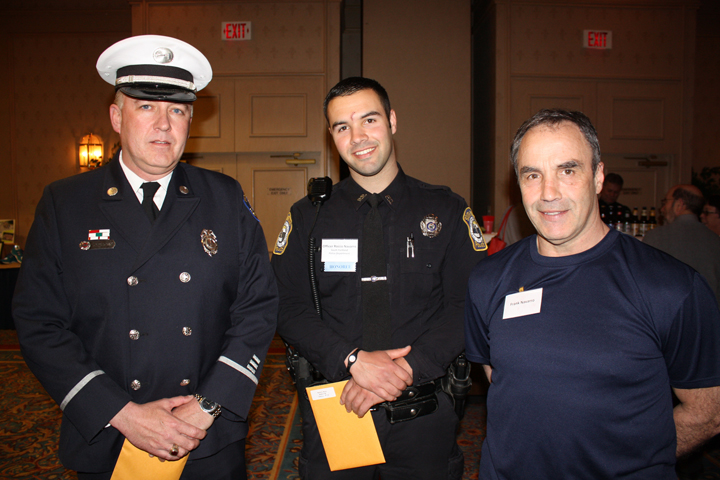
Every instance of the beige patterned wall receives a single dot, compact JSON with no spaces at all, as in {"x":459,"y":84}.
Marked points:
{"x":58,"y":98}
{"x":638,"y":94}
{"x":706,"y":149}
{"x":287,"y":37}
{"x":546,"y":40}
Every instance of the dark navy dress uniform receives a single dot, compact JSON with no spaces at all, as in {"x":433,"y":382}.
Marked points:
{"x":427,"y":293}
{"x":145,"y":311}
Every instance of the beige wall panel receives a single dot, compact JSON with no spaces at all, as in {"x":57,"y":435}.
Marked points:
{"x":640,"y":117}
{"x":286,"y":36}
{"x":278,"y":115}
{"x":706,"y":120}
{"x":213,"y":126}
{"x":529,"y":95}
{"x":275,"y":191}
{"x":261,"y":125}
{"x":420,"y":52}
{"x":547,"y":39}
{"x":221,"y":162}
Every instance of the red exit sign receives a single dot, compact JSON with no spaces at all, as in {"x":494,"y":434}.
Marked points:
{"x":601,"y":39}
{"x":236,"y":31}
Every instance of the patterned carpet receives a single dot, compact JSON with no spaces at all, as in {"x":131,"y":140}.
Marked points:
{"x":30,"y":424}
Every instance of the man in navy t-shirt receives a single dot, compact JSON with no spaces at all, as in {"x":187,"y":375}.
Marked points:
{"x":584,"y":332}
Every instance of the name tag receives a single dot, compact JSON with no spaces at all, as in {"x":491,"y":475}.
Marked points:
{"x":322,"y":393}
{"x":523,"y":303}
{"x":339,"y":254}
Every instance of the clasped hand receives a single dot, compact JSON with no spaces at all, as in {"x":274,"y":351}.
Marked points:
{"x":156,"y":426}
{"x":377,"y":376}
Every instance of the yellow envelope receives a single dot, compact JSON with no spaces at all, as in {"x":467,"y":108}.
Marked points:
{"x":349,"y":441}
{"x":136,"y":464}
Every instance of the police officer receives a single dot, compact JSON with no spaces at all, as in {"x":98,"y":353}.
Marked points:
{"x":146,"y":302}
{"x":393,"y":259}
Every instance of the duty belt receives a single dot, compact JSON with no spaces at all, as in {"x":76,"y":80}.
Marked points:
{"x":415,"y":401}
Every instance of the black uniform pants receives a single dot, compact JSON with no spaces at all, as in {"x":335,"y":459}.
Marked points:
{"x":421,"y":449}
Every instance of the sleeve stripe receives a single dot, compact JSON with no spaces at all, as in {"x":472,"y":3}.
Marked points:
{"x":80,"y":385}
{"x":239,"y":368}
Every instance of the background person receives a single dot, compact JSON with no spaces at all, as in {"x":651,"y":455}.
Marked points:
{"x":710,"y":215}
{"x":684,"y":237}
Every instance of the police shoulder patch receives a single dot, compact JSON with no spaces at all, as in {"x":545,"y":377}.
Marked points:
{"x":282,"y":240}
{"x":478,"y":242}
{"x":249,"y":207}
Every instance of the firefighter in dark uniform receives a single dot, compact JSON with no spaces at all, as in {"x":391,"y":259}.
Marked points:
{"x":147,"y":316}
{"x":396,"y":353}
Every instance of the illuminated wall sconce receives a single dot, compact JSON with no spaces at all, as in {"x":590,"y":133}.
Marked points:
{"x":90,"y":151}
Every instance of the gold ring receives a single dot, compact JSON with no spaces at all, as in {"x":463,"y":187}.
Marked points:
{"x":174,"y":450}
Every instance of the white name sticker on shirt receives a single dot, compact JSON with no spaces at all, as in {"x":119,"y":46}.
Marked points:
{"x":339,"y":254}
{"x":322,"y":393}
{"x":523,"y":303}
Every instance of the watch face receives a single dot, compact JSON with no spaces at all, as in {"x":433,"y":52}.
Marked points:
{"x":207,"y":405}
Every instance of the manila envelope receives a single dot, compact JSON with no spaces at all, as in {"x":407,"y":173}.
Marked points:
{"x":136,"y":464}
{"x":349,"y":441}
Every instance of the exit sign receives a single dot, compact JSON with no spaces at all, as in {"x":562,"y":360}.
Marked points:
{"x":600,"y":39}
{"x":236,"y":31}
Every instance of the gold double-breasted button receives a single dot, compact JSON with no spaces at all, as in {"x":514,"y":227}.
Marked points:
{"x":135,"y":385}
{"x":185,"y":382}
{"x":132,"y":281}
{"x":187,"y":331}
{"x":185,"y":277}
{"x":134,"y":334}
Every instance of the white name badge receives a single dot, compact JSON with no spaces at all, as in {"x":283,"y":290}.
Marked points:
{"x":523,"y":303}
{"x":339,"y":254}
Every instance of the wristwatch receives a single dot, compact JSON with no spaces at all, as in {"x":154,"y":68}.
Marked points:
{"x":208,"y":406}
{"x":352,"y":358}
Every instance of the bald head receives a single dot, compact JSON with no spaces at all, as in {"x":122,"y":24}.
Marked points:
{"x":682,"y":200}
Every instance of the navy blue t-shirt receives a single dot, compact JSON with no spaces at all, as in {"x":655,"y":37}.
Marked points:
{"x":582,"y":389}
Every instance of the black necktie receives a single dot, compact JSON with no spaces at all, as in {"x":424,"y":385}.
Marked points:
{"x":148,"y":204}
{"x":375,"y":294}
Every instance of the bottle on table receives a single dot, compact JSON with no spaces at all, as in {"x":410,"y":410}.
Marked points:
{"x":652,"y":221}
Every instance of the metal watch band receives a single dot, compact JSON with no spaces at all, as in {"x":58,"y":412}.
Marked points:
{"x":213,"y":410}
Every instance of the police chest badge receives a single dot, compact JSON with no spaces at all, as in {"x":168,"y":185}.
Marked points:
{"x":282,"y":239}
{"x":98,"y":239}
{"x":209,"y":242}
{"x":430,"y":226}
{"x":474,"y":231}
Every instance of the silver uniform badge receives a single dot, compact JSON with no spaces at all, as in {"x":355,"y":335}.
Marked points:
{"x":209,"y":242}
{"x":430,"y":226}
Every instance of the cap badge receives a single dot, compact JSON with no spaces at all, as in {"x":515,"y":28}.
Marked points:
{"x":209,"y":242}
{"x":163,"y":55}
{"x":430,"y":226}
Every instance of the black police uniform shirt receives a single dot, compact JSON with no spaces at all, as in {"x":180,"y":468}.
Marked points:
{"x":111,"y":309}
{"x":426,"y":287}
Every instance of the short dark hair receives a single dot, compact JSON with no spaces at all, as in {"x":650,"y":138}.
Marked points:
{"x":692,"y":202}
{"x":352,"y":85}
{"x":553,"y":118}
{"x":714,"y":201}
{"x":613,"y":178}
